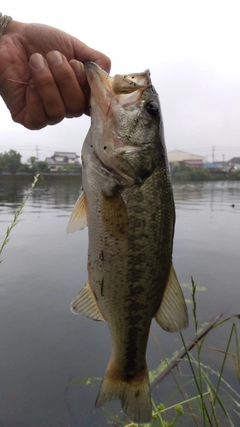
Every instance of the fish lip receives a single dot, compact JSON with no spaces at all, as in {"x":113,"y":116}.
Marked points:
{"x":90,"y":66}
{"x":100,"y":85}
{"x":93,"y":71}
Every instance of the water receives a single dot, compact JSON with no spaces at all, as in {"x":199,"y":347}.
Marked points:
{"x":43,"y":346}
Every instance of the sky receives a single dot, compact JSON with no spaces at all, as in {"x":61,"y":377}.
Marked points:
{"x":191,"y":48}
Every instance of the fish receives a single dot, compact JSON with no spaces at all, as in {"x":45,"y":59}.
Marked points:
{"x":128,"y":206}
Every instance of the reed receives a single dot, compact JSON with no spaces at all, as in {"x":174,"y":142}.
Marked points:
{"x":16,"y":215}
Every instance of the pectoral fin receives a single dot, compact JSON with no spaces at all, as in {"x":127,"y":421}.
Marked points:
{"x":85,"y":303}
{"x":78,"y":218}
{"x":115,"y":216}
{"x":172,"y":314}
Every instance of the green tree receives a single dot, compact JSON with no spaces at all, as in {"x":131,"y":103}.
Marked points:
{"x":1,"y":163}
{"x":36,"y":165}
{"x":32,"y":162}
{"x":24,"y":167}
{"x":10,"y":161}
{"x":42,"y":166}
{"x":72,"y":168}
{"x":175,"y":168}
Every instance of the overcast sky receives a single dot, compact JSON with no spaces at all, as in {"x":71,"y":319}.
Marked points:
{"x":191,"y":48}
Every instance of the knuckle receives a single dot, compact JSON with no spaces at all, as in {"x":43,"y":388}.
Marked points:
{"x":75,"y":110}
{"x":104,"y":62}
{"x":53,"y":122}
{"x":54,"y":108}
{"x":35,"y":123}
{"x":76,"y":104}
{"x":62,"y":76}
{"x":56,"y":116}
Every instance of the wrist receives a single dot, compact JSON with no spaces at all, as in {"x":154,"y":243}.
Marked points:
{"x":12,"y":28}
{"x":4,"y":21}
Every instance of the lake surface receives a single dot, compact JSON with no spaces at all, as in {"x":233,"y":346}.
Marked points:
{"x":44,"y":347}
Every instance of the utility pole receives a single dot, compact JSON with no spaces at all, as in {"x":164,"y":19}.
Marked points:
{"x":213,"y":151}
{"x":37,"y":152}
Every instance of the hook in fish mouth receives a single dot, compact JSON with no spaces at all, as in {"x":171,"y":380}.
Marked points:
{"x":103,"y":86}
{"x":120,"y":83}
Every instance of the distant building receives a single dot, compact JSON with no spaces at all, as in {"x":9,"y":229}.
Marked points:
{"x":223,"y":165}
{"x":234,"y":163}
{"x":182,"y":157}
{"x":60,"y":159}
{"x":214,"y":167}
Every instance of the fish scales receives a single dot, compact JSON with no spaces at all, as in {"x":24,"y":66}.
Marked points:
{"x":128,"y":202}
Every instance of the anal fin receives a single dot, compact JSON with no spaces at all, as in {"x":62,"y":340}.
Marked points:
{"x":172,"y":314}
{"x":85,"y":303}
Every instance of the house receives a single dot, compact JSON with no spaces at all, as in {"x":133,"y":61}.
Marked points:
{"x":182,"y":157}
{"x":61,"y":159}
{"x":215,"y":167}
{"x":234,"y":163}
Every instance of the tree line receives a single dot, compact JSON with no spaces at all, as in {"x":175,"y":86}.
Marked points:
{"x":184,"y":172}
{"x":10,"y":161}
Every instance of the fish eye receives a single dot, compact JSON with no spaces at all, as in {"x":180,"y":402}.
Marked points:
{"x":152,"y":108}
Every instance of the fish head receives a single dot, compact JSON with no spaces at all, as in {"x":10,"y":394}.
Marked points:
{"x":126,"y":123}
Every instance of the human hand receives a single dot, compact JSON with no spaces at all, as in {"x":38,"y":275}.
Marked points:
{"x":48,"y":62}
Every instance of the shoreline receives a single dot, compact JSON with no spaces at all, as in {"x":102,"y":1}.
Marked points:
{"x":42,"y":176}
{"x":54,"y":176}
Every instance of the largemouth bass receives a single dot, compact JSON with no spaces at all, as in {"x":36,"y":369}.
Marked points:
{"x":127,"y":203}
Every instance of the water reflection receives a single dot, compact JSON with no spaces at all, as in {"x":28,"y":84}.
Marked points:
{"x":12,"y":192}
{"x":47,"y":194}
{"x":219,"y":195}
{"x":64,"y":193}
{"x":43,"y":346}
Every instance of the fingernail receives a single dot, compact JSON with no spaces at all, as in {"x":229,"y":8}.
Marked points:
{"x":37,"y":61}
{"x":77,"y":66}
{"x":54,"y":57}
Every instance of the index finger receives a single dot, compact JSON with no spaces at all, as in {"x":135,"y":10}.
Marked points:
{"x":88,"y":54}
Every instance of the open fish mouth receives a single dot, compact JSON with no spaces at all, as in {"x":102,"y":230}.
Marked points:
{"x":118,"y":106}
{"x":127,"y":89}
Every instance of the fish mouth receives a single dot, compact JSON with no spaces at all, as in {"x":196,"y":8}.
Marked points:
{"x":113,"y":103}
{"x":126,"y":89}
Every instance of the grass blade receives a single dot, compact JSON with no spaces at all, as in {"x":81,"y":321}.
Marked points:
{"x":16,"y":215}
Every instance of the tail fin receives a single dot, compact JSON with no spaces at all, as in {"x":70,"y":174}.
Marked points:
{"x":135,"y":395}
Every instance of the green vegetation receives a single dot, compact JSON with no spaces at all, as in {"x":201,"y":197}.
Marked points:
{"x":16,"y":215}
{"x":184,"y":172}
{"x":201,"y":396}
{"x":33,"y":165}
{"x":72,"y":168}
{"x":206,"y":408}
{"x":10,"y":161}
